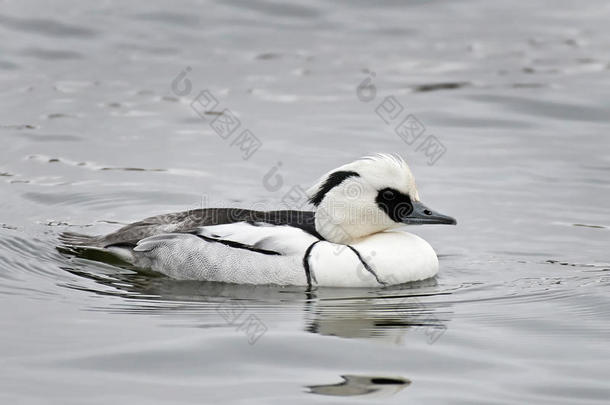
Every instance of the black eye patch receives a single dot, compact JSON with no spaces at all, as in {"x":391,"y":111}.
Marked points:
{"x":395,"y":204}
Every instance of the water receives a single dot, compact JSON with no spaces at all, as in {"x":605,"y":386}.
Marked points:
{"x":94,"y":136}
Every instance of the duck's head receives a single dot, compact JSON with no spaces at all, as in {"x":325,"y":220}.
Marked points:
{"x":367,"y":196}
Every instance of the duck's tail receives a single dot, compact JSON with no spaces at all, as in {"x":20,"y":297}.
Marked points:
{"x":78,"y":239}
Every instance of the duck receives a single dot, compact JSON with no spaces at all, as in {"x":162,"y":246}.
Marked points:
{"x":353,"y":237}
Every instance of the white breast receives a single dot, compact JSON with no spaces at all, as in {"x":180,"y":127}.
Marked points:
{"x":395,"y":257}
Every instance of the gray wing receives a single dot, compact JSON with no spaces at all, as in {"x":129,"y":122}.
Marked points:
{"x":189,"y":222}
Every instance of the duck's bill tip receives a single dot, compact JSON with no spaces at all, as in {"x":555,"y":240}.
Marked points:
{"x":422,"y":215}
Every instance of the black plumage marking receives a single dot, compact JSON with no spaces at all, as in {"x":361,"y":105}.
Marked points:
{"x":308,"y":274}
{"x":189,"y":222}
{"x":239,"y":245}
{"x":366,"y":265}
{"x":394,"y":203}
{"x":333,"y":180}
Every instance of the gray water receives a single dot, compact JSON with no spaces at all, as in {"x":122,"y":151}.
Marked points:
{"x":98,"y":130}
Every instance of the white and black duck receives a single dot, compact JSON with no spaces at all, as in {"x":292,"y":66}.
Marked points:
{"x":350,"y":239}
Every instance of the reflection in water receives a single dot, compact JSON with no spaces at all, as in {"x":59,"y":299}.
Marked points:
{"x":381,"y":316}
{"x":361,"y":385}
{"x":385,"y":314}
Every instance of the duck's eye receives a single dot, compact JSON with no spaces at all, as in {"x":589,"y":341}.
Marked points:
{"x":389,"y":195}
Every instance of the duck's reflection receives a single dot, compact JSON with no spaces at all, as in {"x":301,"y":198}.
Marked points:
{"x":385,"y":314}
{"x":354,"y":385}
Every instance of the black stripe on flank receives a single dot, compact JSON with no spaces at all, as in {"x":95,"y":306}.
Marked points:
{"x":308,"y":273}
{"x":238,"y":245}
{"x":366,"y":265}
{"x":333,"y":180}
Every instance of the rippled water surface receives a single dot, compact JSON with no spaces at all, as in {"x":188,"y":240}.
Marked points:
{"x":97,"y":130}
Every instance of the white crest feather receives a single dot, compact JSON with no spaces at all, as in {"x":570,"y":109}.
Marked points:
{"x":377,"y":169}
